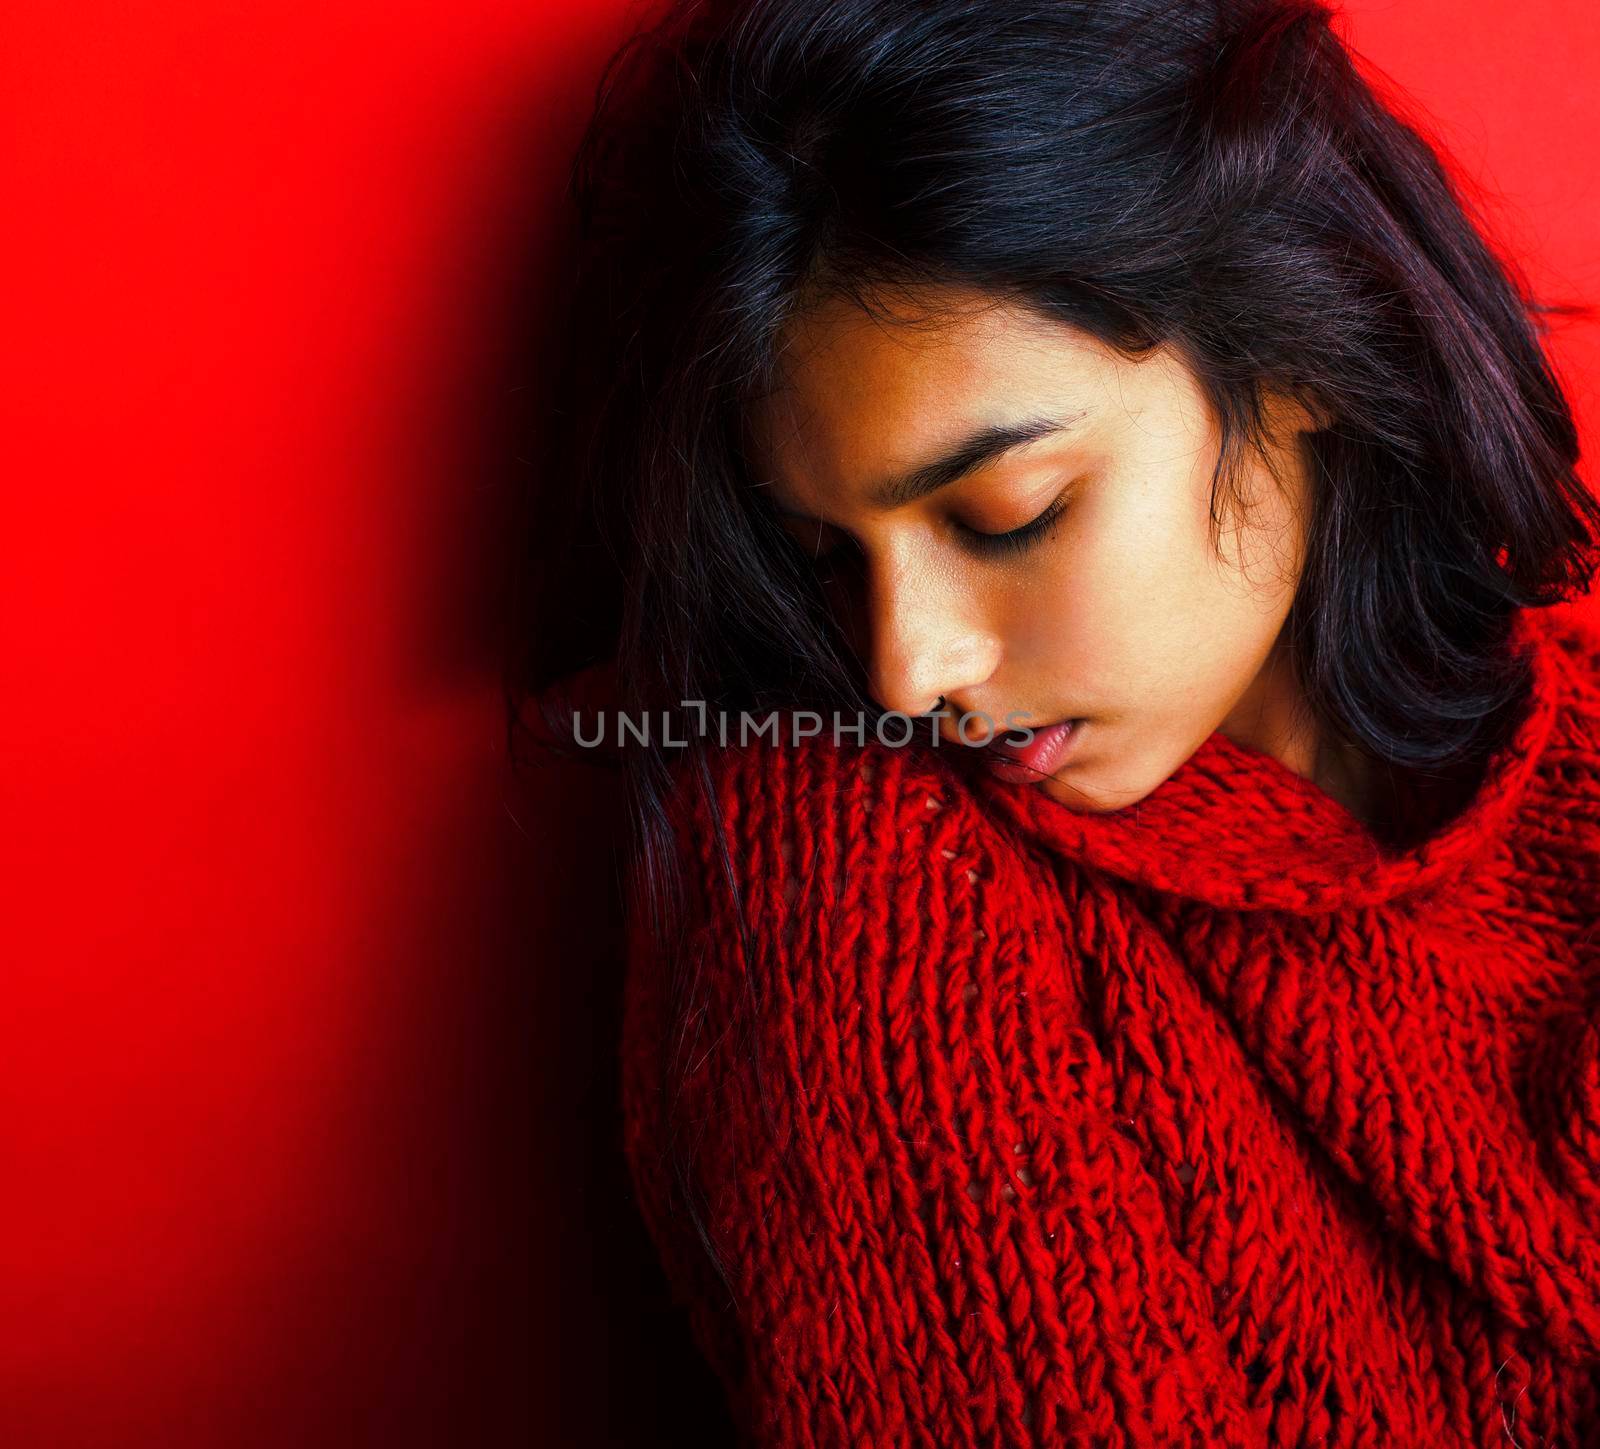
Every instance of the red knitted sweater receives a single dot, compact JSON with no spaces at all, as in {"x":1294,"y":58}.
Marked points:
{"x":1211,"y":1121}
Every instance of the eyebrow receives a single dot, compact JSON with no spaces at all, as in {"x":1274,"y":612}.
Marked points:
{"x":968,"y":454}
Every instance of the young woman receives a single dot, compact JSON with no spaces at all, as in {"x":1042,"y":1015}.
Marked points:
{"x":1115,"y":942}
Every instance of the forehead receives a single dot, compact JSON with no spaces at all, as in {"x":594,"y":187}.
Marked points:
{"x":863,"y":396}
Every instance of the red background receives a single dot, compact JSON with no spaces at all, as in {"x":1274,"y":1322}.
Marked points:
{"x":304,"y":1106}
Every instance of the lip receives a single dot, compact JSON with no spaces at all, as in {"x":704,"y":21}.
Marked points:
{"x":1030,"y":763}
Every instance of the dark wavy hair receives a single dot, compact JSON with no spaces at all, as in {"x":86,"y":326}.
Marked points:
{"x":1215,"y":175}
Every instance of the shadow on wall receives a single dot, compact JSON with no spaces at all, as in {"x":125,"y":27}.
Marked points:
{"x":604,"y":1343}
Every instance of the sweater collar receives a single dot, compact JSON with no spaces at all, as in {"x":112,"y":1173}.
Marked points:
{"x":1237,"y":828}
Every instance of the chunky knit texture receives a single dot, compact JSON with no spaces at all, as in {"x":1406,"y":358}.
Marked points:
{"x":1216,"y":1120}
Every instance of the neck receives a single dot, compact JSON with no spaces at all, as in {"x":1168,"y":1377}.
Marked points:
{"x":1273,"y":716}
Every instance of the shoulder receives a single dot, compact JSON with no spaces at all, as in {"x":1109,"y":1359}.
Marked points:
{"x":815,"y":831}
{"x":1572,"y":636}
{"x":843,"y":887}
{"x":873,"y":926}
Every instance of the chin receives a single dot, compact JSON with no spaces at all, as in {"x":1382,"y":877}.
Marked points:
{"x":1100,"y":791}
{"x":1077,"y":796}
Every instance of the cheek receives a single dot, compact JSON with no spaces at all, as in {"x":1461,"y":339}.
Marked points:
{"x":1109,"y":579}
{"x":1111,"y":605}
{"x":1076,"y":643}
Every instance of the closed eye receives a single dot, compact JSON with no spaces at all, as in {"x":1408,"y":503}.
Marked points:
{"x":985,"y":545}
{"x":1016,"y":539}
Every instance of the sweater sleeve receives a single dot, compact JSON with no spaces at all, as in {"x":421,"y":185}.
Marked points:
{"x":899,"y":1137}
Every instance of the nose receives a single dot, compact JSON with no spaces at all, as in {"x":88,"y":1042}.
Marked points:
{"x":929,"y":646}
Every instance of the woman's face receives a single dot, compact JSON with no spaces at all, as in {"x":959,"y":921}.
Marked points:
{"x":1117,"y":612}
